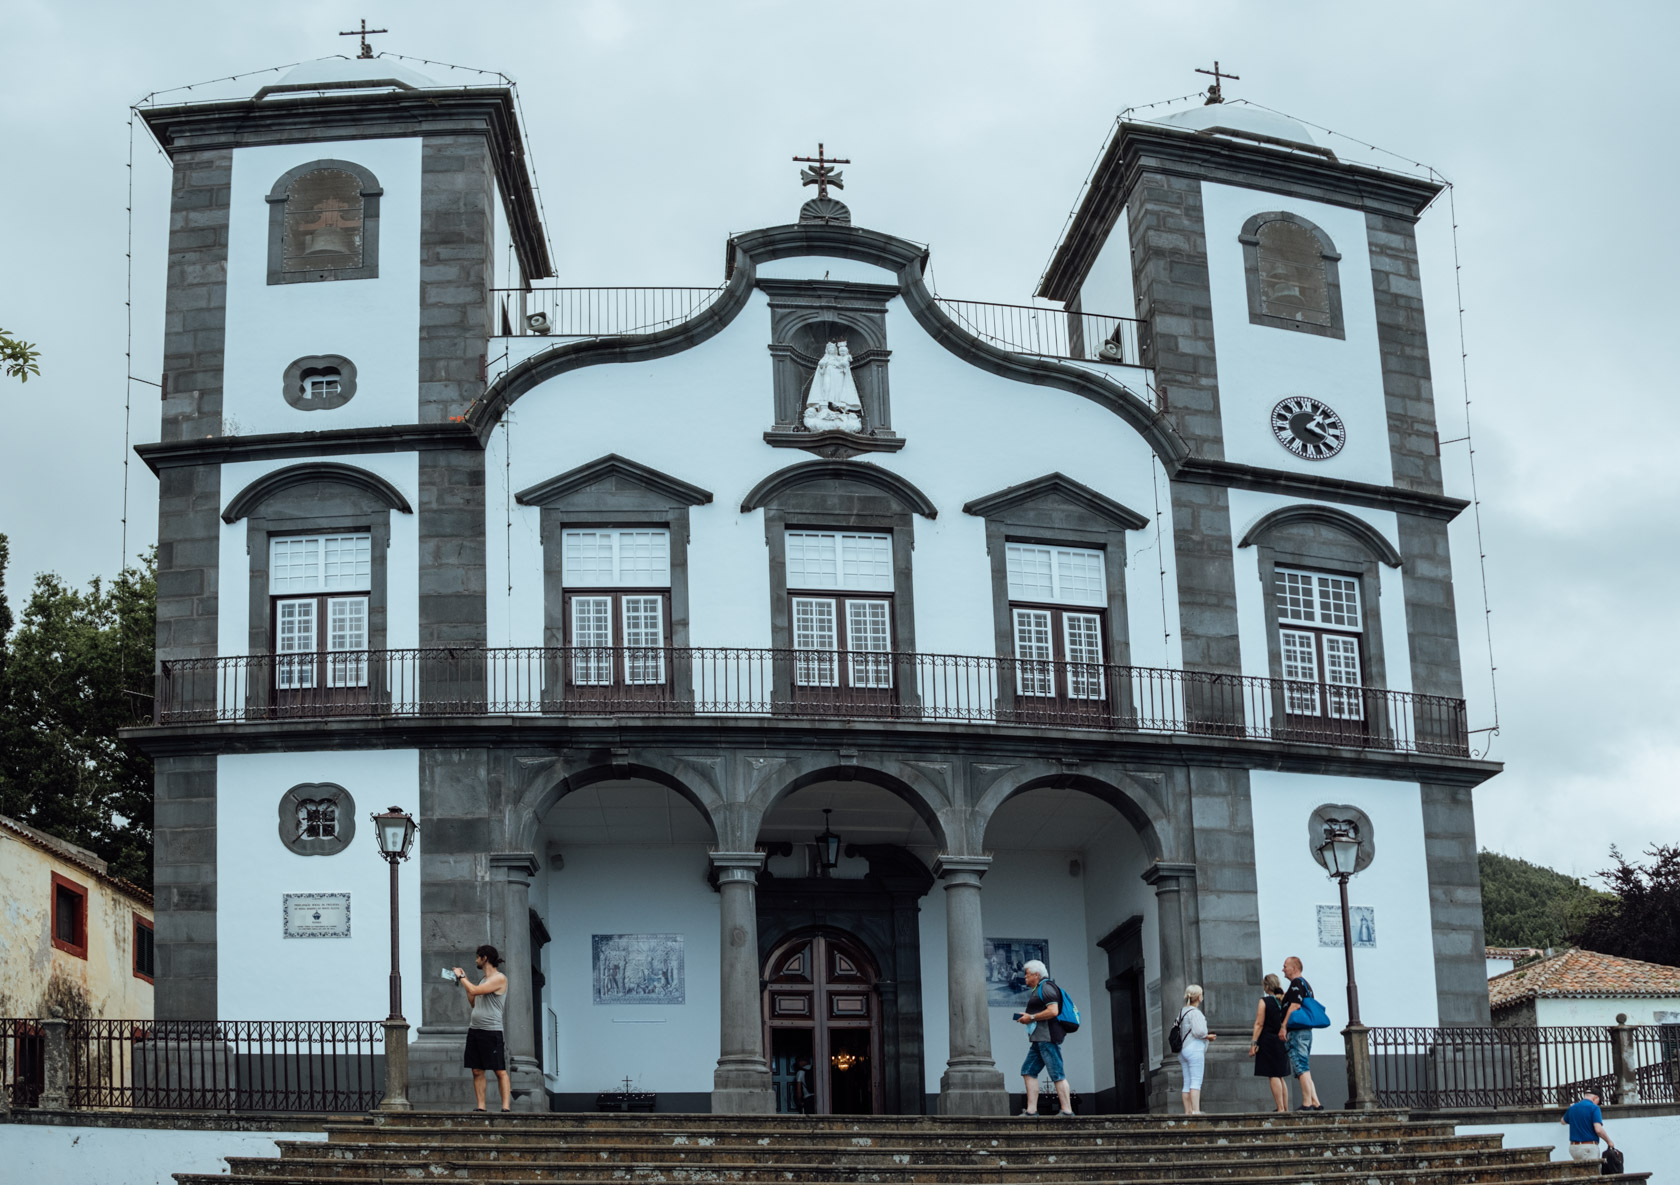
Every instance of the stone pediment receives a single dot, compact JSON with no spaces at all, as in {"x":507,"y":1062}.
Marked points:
{"x":615,"y":475}
{"x":1056,"y":491}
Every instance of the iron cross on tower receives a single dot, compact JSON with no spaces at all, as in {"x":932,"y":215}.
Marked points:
{"x":1214,"y":94}
{"x":824,"y":175}
{"x":364,"y":33}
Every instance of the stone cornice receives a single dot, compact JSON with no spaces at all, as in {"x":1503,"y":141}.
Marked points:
{"x":1341,"y":520}
{"x":612,"y":465}
{"x":513,"y":863}
{"x":294,"y":119}
{"x":1309,"y":485}
{"x":220,"y":450}
{"x":1138,"y":148}
{"x":1100,"y":505}
{"x":892,"y":484}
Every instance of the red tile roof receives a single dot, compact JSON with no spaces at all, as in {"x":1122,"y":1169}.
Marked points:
{"x":1515,"y":953}
{"x":1582,"y":974}
{"x":64,"y":850}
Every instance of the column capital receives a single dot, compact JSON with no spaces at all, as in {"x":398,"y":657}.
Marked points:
{"x":735,"y":867}
{"x":945,"y":864}
{"x":515,"y":865}
{"x":1165,"y":876}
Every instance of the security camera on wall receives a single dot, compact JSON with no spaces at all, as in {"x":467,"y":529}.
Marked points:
{"x":538,"y":323}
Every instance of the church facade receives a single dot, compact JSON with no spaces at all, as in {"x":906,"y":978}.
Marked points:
{"x":773,"y":668}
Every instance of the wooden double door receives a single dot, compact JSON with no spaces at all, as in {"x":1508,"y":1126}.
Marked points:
{"x":822,"y":1015}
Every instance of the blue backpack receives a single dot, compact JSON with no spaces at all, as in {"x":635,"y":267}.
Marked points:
{"x":1068,"y":1017}
{"x":1311,"y":1014}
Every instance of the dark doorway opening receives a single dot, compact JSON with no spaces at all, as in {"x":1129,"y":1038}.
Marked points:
{"x":1128,"y":1017}
{"x":820,"y":995}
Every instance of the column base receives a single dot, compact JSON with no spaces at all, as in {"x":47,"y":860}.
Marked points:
{"x":973,"y":1089}
{"x":438,"y":1082}
{"x":742,"y":1086}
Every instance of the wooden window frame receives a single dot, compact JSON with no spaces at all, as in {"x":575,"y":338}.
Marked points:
{"x":142,"y":922}
{"x":79,"y":950}
{"x":847,"y":662}
{"x":1327,"y":703}
{"x":619,"y":677}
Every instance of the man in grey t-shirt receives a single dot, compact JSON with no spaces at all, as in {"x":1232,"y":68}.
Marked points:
{"x":1044,"y":1038}
{"x":486,"y":1046}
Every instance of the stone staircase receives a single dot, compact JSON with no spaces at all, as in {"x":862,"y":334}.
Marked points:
{"x":1380,"y":1148}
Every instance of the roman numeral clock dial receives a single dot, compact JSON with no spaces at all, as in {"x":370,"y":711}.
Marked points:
{"x":1308,"y":428}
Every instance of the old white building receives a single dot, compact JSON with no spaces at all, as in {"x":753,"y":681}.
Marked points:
{"x":1073,"y":621}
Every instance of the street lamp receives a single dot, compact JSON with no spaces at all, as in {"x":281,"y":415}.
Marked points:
{"x":828,"y":846}
{"x":1341,"y":856}
{"x":395,"y":830}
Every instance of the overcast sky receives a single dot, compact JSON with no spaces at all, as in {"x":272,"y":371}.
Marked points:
{"x":659,"y":128}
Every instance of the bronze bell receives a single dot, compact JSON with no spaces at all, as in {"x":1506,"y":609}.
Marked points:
{"x":330,"y":240}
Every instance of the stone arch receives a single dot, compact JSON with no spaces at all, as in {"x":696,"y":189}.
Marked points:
{"x":330,"y":472}
{"x":1136,"y":803}
{"x":870,"y":336}
{"x":910,"y":785}
{"x":366,"y":189}
{"x":548,"y":787}
{"x":1308,"y":262}
{"x":1360,"y":531}
{"x":884,"y":481}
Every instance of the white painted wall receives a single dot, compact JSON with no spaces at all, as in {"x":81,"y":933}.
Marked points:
{"x":826,"y":267}
{"x":1640,"y":1011}
{"x":1397,"y":978}
{"x":1261,"y":364}
{"x":1648,"y":1143}
{"x":402,"y":561}
{"x":704,"y":413}
{"x":1499,"y":966}
{"x":375,"y":323}
{"x":263,"y":976}
{"x":632,"y":890}
{"x":1108,"y":290}
{"x":130,"y":1155}
{"x":1114,"y":891}
{"x":1386,"y":611}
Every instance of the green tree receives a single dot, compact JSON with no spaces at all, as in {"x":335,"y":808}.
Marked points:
{"x":1642,"y":919}
{"x":1527,"y":904}
{"x":18,"y":358}
{"x":75,"y":671}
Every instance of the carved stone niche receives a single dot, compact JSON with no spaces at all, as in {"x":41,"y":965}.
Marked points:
{"x":805,"y":315}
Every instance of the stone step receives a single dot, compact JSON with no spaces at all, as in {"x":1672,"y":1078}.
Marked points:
{"x":1019,"y":1152}
{"x":705,"y":1122}
{"x":1272,"y":1169}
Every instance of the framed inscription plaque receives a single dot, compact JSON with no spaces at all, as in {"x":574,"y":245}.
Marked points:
{"x":315,"y":915}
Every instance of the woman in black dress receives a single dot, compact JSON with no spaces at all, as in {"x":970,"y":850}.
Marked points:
{"x":1271,"y":1056}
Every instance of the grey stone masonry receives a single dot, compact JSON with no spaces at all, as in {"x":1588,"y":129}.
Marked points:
{"x":1404,"y":346}
{"x":1225,"y":921}
{"x":1431,"y":617}
{"x":1207,"y":587}
{"x":184,"y":887}
{"x":1455,"y":904}
{"x":1170,"y":277}
{"x":189,"y":540}
{"x":452,"y":558}
{"x":195,"y":309}
{"x":457,"y":242}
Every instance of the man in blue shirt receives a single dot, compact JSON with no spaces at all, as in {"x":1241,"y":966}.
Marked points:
{"x":1586,"y":1128}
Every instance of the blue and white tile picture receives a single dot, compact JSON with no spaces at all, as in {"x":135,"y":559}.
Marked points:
{"x":1364,"y":924}
{"x":638,"y":968}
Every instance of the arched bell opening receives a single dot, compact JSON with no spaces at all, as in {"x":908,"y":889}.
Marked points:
{"x":822,"y":1007}
{"x":1066,"y":887}
{"x":859,"y":892}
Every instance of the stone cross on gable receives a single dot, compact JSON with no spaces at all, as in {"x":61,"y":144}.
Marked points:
{"x":364,"y":33}
{"x":824,"y":174}
{"x":1214,"y":94}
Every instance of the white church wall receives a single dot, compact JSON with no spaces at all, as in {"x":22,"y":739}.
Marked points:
{"x":375,"y":322}
{"x":265,"y":976}
{"x":1261,"y":364}
{"x":402,"y":560}
{"x":1107,"y":290}
{"x":1397,"y":976}
{"x":826,"y":267}
{"x":513,"y":557}
{"x":712,"y":405}
{"x":1112,"y":867}
{"x":1647,"y":1141}
{"x":1029,"y":894}
{"x":1639,"y":1010}
{"x":632,"y":890}
{"x":1253,"y":598}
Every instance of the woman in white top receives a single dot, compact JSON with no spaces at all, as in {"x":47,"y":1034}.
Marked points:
{"x":1192,"y":1058}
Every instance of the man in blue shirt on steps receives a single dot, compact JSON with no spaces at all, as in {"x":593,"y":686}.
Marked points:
{"x":1586,"y":1128}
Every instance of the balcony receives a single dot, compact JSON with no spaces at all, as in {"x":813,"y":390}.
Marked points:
{"x":730,"y":682}
{"x":1041,"y":330}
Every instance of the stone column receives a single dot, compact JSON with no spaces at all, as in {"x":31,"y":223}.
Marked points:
{"x":741,"y":1082}
{"x":55,"y":1090}
{"x":514,"y":872}
{"x":972,"y":1083}
{"x":1169,"y":880}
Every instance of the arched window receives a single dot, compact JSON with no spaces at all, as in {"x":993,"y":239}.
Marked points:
{"x":1293,"y":281}
{"x":324,"y":224}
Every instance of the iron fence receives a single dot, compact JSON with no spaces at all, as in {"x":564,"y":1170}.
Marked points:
{"x":736,"y":681}
{"x":308,"y":1066}
{"x":1052,"y":332}
{"x":595,"y":312}
{"x":1548,"y":1066}
{"x":23,"y":1064}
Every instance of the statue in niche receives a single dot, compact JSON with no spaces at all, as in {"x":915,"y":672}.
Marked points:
{"x":832,"y":402}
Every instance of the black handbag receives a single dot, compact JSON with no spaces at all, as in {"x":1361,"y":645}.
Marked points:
{"x":1612,"y":1162}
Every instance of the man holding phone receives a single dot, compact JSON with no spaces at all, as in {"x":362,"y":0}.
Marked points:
{"x":1044,"y":1039}
{"x":486,"y":1045}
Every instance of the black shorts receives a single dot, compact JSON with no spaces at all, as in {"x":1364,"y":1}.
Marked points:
{"x":485,"y":1050}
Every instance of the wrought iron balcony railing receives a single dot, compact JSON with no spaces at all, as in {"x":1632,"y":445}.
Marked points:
{"x":1050,"y":332}
{"x":740,"y":682}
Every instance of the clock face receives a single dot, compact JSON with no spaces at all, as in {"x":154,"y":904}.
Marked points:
{"x":1308,"y":428}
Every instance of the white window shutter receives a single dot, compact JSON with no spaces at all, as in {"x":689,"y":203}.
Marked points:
{"x":644,"y":640}
{"x":1341,"y":670}
{"x":347,"y":641}
{"x":814,"y":642}
{"x":592,"y":660}
{"x":294,"y":639}
{"x":869,"y":633}
{"x":1082,"y":643}
{"x":1300,"y":672}
{"x":1033,"y":672}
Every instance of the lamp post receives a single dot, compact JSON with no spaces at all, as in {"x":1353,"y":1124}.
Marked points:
{"x":1340,"y":850}
{"x":828,"y":846}
{"x":395,"y":830}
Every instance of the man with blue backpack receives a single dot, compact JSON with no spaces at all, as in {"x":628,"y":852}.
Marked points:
{"x":1049,"y":1016}
{"x":1302,"y":1013}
